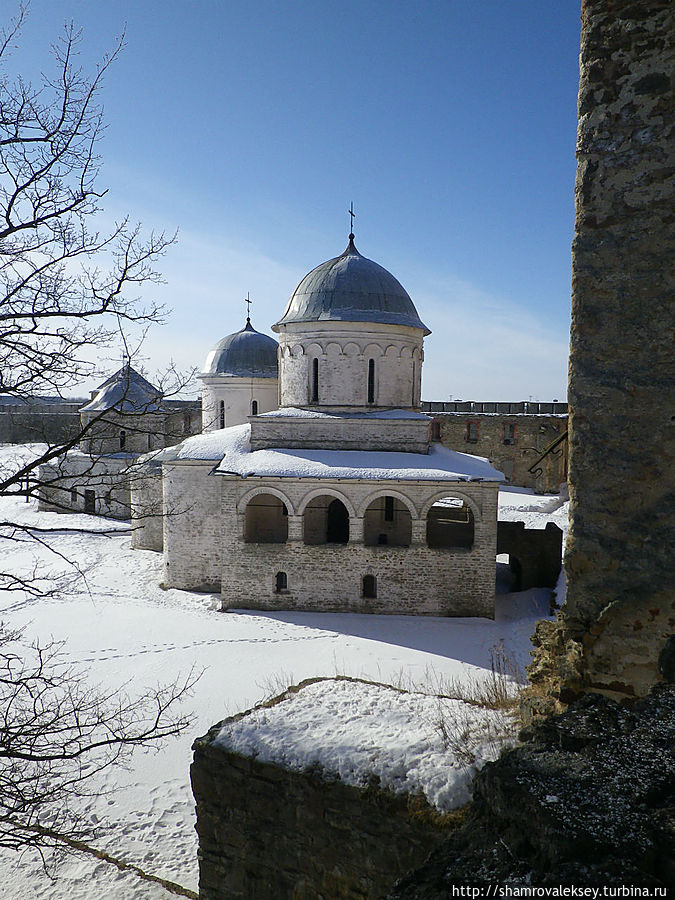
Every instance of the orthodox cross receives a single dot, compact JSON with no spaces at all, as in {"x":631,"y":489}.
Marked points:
{"x":248,"y":302}
{"x":352,"y":216}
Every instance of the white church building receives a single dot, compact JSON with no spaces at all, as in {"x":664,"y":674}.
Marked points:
{"x":322,"y":489}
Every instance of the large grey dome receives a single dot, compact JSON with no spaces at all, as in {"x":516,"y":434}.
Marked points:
{"x":351,"y":288}
{"x":246,"y":353}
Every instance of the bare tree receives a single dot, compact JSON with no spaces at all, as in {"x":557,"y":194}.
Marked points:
{"x":67,"y":291}
{"x":57,"y":734}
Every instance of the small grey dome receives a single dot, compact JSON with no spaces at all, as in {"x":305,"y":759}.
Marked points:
{"x":246,"y":353}
{"x":351,"y":288}
{"x":125,"y":391}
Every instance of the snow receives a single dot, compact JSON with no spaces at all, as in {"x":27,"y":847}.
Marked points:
{"x":440,"y":464}
{"x":233,"y":448}
{"x":121,"y":627}
{"x":294,"y":412}
{"x":397,"y":736}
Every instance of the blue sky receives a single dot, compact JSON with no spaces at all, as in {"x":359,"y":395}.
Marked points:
{"x":250,"y":126}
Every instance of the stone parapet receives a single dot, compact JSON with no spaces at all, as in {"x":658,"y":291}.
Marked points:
{"x":348,"y":432}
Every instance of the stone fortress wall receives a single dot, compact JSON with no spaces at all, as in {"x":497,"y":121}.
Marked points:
{"x":268,"y":832}
{"x":620,"y":607}
{"x":526,"y":441}
{"x":38,"y":419}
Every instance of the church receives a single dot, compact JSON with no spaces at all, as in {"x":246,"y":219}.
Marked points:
{"x":315,"y":484}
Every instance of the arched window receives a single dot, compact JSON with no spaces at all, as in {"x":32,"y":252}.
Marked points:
{"x":254,"y":407}
{"x":387,"y":521}
{"x":123,"y":439}
{"x":315,"y":380}
{"x":266,"y":520}
{"x":281,"y":583}
{"x":369,"y":587}
{"x":326,"y":521}
{"x":222,"y":413}
{"x":450,"y":524}
{"x":371,"y":381}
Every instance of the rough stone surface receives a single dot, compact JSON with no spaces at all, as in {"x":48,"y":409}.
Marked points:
{"x":270,"y":834}
{"x":588,"y":800}
{"x":513,"y":442}
{"x":619,"y":561}
{"x":411,"y":580}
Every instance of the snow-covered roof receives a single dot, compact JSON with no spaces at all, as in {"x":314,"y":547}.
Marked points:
{"x":360,"y":729}
{"x":126,"y":391}
{"x":232,"y":447}
{"x":293,"y":412}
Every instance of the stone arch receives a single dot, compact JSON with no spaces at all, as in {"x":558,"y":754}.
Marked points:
{"x":451,"y":492}
{"x":450,"y":526}
{"x":373,"y":351}
{"x":387,"y":519}
{"x":417,"y":354}
{"x":333,"y":350}
{"x":332,"y":492}
{"x":265,"y":519}
{"x":383,"y":492}
{"x":249,"y":495}
{"x":351,"y":349}
{"x":393,"y":352}
{"x":325,"y":520}
{"x":315,"y":349}
{"x":296,"y":350}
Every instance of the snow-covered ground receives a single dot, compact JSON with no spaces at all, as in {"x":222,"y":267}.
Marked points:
{"x":122,"y":628}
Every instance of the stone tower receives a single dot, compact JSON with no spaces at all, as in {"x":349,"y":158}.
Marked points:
{"x":620,"y":602}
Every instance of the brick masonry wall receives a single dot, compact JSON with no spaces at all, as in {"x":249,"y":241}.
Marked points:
{"x":147,"y":508}
{"x":619,"y":557}
{"x":414,"y":580}
{"x":343,"y":350}
{"x":63,"y":484}
{"x":272,"y":834}
{"x":192,"y":526}
{"x":394,"y":435}
{"x":531,"y":436}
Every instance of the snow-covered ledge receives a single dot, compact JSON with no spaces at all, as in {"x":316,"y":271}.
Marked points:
{"x":337,"y":785}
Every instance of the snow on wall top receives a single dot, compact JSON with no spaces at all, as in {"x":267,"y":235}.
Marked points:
{"x":295,"y":412}
{"x":359,"y":729}
{"x":231,"y":446}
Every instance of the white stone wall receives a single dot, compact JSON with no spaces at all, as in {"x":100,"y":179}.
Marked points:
{"x":343,"y":350}
{"x":193,"y":523}
{"x":65,"y":481}
{"x":238,"y":395}
{"x":147,"y":508}
{"x":327,"y":577}
{"x":350,"y":433}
